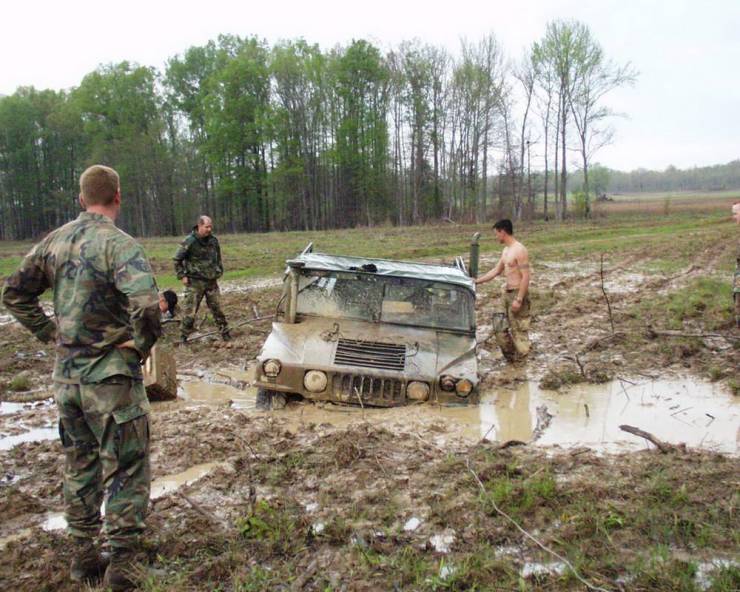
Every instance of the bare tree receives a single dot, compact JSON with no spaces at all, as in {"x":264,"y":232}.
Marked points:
{"x":594,"y":77}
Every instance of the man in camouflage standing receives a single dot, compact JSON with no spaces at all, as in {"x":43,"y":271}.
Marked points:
{"x":107,"y":320}
{"x":198,"y":265}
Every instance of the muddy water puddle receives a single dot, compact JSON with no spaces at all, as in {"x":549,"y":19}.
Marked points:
{"x":7,"y":408}
{"x":170,"y":483}
{"x":690,"y":411}
{"x":205,"y":393}
{"x":31,"y":435}
{"x":161,"y":487}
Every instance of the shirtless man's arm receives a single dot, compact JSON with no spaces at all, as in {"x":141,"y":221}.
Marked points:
{"x":491,"y":274}
{"x":522,"y":260}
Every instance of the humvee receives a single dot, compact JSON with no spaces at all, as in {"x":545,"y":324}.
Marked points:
{"x":371,"y":332}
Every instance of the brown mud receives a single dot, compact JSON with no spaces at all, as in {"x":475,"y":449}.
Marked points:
{"x":334,"y":498}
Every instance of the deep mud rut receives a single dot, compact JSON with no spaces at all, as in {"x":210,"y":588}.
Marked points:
{"x":387,"y":499}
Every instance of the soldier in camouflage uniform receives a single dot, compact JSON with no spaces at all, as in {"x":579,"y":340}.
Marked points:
{"x":107,"y":320}
{"x":198,"y":265}
{"x":736,"y":283}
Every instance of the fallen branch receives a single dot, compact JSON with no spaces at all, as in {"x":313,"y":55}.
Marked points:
{"x":654,"y":333}
{"x":528,"y":535}
{"x":662,"y":446}
{"x":240,"y":324}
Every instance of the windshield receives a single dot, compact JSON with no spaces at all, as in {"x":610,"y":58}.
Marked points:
{"x":367,"y":297}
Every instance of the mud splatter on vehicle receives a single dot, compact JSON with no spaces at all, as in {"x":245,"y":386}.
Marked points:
{"x":371,"y":332}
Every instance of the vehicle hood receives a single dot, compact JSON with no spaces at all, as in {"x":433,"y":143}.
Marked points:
{"x":312,"y":343}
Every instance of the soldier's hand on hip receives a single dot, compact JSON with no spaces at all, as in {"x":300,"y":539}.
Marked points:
{"x":516,"y":305}
{"x":185,"y":281}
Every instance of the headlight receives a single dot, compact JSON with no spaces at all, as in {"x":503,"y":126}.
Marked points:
{"x":447,"y":383}
{"x":419,"y":391}
{"x":315,"y":381}
{"x":271,"y":368}
{"x":464,"y":387}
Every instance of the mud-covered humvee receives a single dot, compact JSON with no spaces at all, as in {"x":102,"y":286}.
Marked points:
{"x":371,"y":332}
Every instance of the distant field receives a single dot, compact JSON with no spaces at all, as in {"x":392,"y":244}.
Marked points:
{"x":657,"y":223}
{"x":667,"y":202}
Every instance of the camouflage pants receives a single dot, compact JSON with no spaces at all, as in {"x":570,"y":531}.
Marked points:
{"x":512,"y":328}
{"x":194,"y":293}
{"x":104,"y":428}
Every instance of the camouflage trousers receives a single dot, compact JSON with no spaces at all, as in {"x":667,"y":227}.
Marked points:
{"x":194,"y":293}
{"x":104,"y":428}
{"x":510,"y":328}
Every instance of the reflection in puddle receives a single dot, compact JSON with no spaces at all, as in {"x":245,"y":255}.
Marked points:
{"x":204,"y":393}
{"x":32,"y":435}
{"x":6,"y":407}
{"x":54,"y":521}
{"x":166,"y":485}
{"x":700,"y":414}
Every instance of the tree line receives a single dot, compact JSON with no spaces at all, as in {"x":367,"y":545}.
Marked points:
{"x":291,"y":136}
{"x":719,"y":177}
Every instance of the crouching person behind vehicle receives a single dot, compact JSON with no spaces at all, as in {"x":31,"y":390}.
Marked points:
{"x":94,"y":269}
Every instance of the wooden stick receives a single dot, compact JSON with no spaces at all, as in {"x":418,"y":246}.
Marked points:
{"x":603,"y":290}
{"x":682,"y":334}
{"x":232,"y":327}
{"x":662,"y":446}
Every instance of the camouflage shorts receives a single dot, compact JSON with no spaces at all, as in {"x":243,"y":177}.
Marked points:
{"x":512,"y":328}
{"x":104,"y":428}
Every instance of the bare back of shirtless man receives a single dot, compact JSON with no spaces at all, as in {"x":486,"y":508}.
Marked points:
{"x":514,"y":264}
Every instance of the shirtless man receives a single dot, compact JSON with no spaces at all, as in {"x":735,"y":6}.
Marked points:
{"x":511,"y":328}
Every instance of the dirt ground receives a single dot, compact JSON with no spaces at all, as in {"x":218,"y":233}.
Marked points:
{"x":286,"y":503}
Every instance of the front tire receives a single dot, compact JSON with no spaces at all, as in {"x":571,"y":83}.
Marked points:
{"x":268,"y":400}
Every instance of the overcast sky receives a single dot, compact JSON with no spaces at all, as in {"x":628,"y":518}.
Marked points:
{"x":683,"y":110}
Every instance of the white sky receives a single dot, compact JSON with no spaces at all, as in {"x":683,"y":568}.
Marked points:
{"x":683,"y":110}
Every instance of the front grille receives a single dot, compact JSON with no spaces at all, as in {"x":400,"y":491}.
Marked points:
{"x":369,"y":354}
{"x":370,"y":389}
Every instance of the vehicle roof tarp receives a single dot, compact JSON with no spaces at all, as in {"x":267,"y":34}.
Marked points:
{"x":404,"y":269}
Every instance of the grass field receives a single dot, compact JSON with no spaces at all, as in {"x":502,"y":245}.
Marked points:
{"x":630,"y":224}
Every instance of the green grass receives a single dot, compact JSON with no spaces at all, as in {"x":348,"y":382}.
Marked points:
{"x":707,"y":300}
{"x":671,"y":241}
{"x":20,"y":382}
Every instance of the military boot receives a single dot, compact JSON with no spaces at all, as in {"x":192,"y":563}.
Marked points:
{"x":226,"y":335}
{"x":87,"y":563}
{"x":120,"y":574}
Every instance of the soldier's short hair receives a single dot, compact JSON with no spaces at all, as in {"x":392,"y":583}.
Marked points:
{"x":202,"y":219}
{"x":99,"y":184}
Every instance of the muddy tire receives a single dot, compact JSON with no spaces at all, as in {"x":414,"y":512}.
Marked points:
{"x":270,"y":400}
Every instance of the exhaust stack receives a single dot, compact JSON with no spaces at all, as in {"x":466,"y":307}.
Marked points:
{"x":474,"y":255}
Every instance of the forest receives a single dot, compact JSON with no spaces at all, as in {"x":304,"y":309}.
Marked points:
{"x":292,"y":136}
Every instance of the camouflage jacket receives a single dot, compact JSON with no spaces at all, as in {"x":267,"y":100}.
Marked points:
{"x":98,"y":273}
{"x":199,"y":258}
